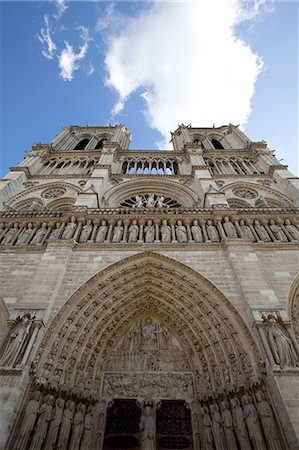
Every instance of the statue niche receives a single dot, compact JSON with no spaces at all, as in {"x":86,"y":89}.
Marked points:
{"x":148,"y":346}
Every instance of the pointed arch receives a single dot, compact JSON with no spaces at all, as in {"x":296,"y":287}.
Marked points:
{"x":219,"y":347}
{"x":293,"y":306}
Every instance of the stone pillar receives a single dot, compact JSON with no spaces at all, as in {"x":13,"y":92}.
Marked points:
{"x":157,"y":230}
{"x":111,"y":223}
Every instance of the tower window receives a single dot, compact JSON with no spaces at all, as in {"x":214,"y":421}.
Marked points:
{"x":82,"y":144}
{"x":217,"y":144}
{"x":100,"y":144}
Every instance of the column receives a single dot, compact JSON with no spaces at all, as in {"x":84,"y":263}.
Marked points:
{"x":189,"y":235}
{"x":93,"y":233}
{"x":220,"y":228}
{"x":171,"y":223}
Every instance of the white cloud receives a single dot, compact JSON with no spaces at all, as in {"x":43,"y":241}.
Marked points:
{"x":68,"y":59}
{"x":186,"y":60}
{"x":46,"y":39}
{"x":61,"y":7}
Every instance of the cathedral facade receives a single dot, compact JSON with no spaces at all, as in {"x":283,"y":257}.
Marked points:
{"x":149,"y":299}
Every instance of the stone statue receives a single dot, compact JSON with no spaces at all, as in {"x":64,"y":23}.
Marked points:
{"x":10,"y":234}
{"x":181,"y":232}
{"x":150,"y":201}
{"x":208,"y":443}
{"x":165,"y":232}
{"x":239,"y":424}
{"x":217,"y":429}
{"x":228,"y":428}
{"x":102,"y":232}
{"x":196,"y":232}
{"x":24,"y":236}
{"x":86,"y":231}
{"x":246,"y":230}
{"x":28,"y":421}
{"x":69,"y":229}
{"x":139,"y":201}
{"x":66,"y":425}
{"x":261,"y":232}
{"x":281,"y":346}
{"x":55,"y":423}
{"x":78,"y":427}
{"x":55,"y":232}
{"x":133,"y":232}
{"x":277,"y":231}
{"x":88,"y":429}
{"x":262,"y":202}
{"x":294,"y":232}
{"x":42,"y":424}
{"x":252,"y":422}
{"x":17,"y":341}
{"x":39,"y":235}
{"x":163,"y":335}
{"x":268,"y":423}
{"x":149,"y":335}
{"x":147,"y":429}
{"x":118,"y":232}
{"x":229,"y":229}
{"x":149,"y":231}
{"x":160,"y":201}
{"x":212,"y":232}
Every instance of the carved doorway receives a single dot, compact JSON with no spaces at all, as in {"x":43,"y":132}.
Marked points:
{"x":173,"y":426}
{"x":122,"y":426}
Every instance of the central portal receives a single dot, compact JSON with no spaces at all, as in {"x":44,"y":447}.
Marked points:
{"x":131,"y":426}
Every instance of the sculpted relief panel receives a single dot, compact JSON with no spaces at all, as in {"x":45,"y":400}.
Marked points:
{"x":148,"y":346}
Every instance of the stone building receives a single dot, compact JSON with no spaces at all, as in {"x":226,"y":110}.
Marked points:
{"x":149,"y":299}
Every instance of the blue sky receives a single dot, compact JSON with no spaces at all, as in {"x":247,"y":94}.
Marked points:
{"x":150,"y":66}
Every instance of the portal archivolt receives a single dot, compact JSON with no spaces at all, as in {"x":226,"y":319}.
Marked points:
{"x":93,"y":326}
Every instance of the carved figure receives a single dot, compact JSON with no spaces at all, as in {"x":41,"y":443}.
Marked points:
{"x":277,"y":231}
{"x":88,"y":429}
{"x":229,"y":229}
{"x":147,"y":429}
{"x":24,"y":236}
{"x":69,"y":229}
{"x":239,"y":424}
{"x":196,"y":232}
{"x":149,"y":336}
{"x":268,"y":423}
{"x":78,"y":427}
{"x":212,"y":232}
{"x":66,"y":425}
{"x":294,"y":232}
{"x":252,"y":423}
{"x":86,"y":231}
{"x":181,"y":232}
{"x":262,"y":233}
{"x":160,"y":201}
{"x":139,"y":201}
{"x":118,"y":232}
{"x":55,"y":423}
{"x":102,"y":232}
{"x":17,"y":340}
{"x":217,"y":429}
{"x":228,"y":428}
{"x":165,"y":232}
{"x":246,"y":230}
{"x":39,"y":235}
{"x":208,"y":443}
{"x":149,"y":232}
{"x":281,"y":346}
{"x":262,"y":202}
{"x":133,"y":231}
{"x":10,"y":234}
{"x":28,"y":421}
{"x":150,"y":202}
{"x":42,"y":424}
{"x":55,"y":232}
